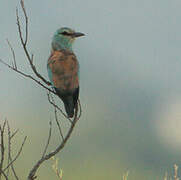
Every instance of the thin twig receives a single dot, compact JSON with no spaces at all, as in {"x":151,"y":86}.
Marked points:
{"x":2,"y":128}
{"x":14,"y":133}
{"x":58,"y":124}
{"x":4,"y":174}
{"x":26,"y":75}
{"x":19,"y":27}
{"x":32,"y":58}
{"x":13,"y":53}
{"x":24,"y":45}
{"x":19,"y":152}
{"x":43,"y":83}
{"x":32,"y":173}
{"x":48,"y":141}
{"x":53,"y":104}
{"x":26,"y":20}
{"x":9,"y":147}
{"x":56,"y":118}
{"x":80,"y":109}
{"x":9,"y":152}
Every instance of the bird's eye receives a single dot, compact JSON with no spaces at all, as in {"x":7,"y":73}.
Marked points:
{"x":65,"y":33}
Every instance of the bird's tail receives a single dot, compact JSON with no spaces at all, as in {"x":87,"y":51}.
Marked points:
{"x":69,"y":105}
{"x":68,"y":101}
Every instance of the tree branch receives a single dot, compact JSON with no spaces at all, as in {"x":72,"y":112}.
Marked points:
{"x":24,"y":43}
{"x":2,"y":128}
{"x":55,"y":106}
{"x":27,"y":76}
{"x":42,"y":83}
{"x":9,"y":152}
{"x":48,"y":141}
{"x":14,"y":134}
{"x":55,"y":113}
{"x":17,"y":155}
{"x":13,"y":53}
{"x":4,"y":174}
{"x":6,"y":153}
{"x":32,"y":173}
{"x":26,"y":20}
{"x":58,"y":124}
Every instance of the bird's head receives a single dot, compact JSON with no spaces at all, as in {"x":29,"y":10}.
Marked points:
{"x":64,"y":38}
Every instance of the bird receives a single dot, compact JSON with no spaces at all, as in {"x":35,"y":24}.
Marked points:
{"x":63,"y":68}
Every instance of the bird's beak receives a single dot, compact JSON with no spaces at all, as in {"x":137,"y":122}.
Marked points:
{"x":78,"y":34}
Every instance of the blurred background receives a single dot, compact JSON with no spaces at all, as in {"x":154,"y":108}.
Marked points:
{"x":130,"y":74}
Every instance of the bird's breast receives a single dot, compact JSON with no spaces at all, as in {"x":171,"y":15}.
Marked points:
{"x":64,"y":68}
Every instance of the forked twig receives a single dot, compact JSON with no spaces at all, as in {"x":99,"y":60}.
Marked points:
{"x":6,"y":152}
{"x":26,"y":75}
{"x":4,"y":174}
{"x":9,"y":152}
{"x":32,"y":173}
{"x":48,"y":141}
{"x":40,"y":80}
{"x":14,"y":134}
{"x":56,"y":118}
{"x":24,"y":43}
{"x":2,"y":146}
{"x":13,"y":53}
{"x":26,"y":20}
{"x":17,"y":155}
{"x":57,"y":107}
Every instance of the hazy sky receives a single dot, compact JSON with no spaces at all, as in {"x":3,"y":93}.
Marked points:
{"x":130,"y":74}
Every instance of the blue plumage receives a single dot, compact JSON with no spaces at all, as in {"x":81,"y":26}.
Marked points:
{"x":63,"y":68}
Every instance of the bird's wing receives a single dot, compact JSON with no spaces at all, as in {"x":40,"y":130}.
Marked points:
{"x":63,"y":71}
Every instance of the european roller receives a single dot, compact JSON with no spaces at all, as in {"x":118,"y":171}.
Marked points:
{"x":63,"y":68}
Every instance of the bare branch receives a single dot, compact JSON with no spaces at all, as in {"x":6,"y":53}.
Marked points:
{"x":9,"y":152}
{"x":19,"y":27}
{"x":58,"y":124}
{"x":32,"y":58}
{"x":43,"y":83}
{"x":18,"y":154}
{"x":80,"y":109}
{"x":7,"y":155}
{"x":48,"y":141}
{"x":9,"y":146}
{"x":25,"y":42}
{"x":32,"y":173}
{"x":14,"y":134}
{"x":2,"y":146}
{"x":26,"y":20}
{"x":4,"y":174}
{"x":13,"y":53}
{"x":54,"y":105}
{"x":26,"y":75}
{"x":56,"y":117}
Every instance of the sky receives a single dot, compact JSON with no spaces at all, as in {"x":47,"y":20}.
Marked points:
{"x":130,"y":87}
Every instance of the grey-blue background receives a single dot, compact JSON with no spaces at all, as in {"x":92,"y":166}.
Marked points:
{"x":130,"y":74}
